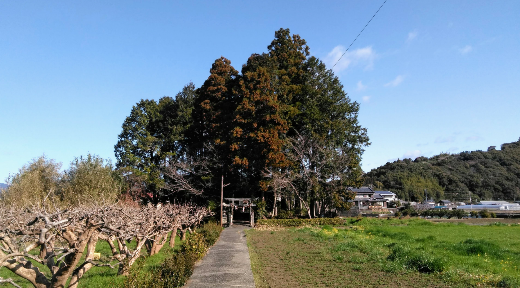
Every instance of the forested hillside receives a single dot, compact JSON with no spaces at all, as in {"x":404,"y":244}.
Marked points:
{"x":484,"y":175}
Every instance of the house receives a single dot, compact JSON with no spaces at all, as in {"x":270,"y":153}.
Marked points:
{"x":387,"y":195}
{"x":367,"y":198}
{"x":445,"y":203}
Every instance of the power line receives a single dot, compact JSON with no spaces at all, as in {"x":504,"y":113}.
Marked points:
{"x":359,"y":34}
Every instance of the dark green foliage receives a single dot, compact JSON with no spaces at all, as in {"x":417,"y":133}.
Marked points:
{"x":241,"y":126}
{"x":455,"y":213}
{"x":300,"y":222}
{"x":494,"y":174}
{"x":416,"y":259}
{"x":260,"y":209}
{"x":508,"y":282}
{"x":486,"y":214}
{"x":478,"y":247}
{"x":153,"y":134}
{"x":408,"y":210}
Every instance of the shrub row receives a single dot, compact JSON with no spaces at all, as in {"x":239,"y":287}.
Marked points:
{"x":300,"y":222}
{"x":455,"y":213}
{"x":177,"y":269}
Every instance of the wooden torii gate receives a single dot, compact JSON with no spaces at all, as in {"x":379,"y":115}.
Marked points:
{"x":239,"y":203}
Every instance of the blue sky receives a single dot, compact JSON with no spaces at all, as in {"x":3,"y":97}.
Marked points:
{"x":430,"y":76}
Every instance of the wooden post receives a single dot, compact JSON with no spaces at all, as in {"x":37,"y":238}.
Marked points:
{"x":221,"y":199}
{"x":251,"y":215}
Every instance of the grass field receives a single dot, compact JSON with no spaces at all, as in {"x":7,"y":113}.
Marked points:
{"x":387,"y":253}
{"x":103,"y":277}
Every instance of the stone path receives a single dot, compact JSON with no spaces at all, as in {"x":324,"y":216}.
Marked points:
{"x":227,"y":263}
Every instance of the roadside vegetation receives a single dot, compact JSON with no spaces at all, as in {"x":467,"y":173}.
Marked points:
{"x":369,"y":252}
{"x":175,"y":269}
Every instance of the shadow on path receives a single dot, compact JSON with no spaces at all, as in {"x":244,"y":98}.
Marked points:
{"x":227,"y":263}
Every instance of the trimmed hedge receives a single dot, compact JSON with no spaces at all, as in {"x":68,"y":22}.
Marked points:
{"x":301,"y":222}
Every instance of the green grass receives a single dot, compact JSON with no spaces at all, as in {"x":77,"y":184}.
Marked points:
{"x":103,"y":277}
{"x":390,"y":253}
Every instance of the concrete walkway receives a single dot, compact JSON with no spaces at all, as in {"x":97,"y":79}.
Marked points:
{"x":227,"y":263}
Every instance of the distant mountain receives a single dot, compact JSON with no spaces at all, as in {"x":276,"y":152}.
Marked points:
{"x":2,"y":186}
{"x":492,"y":174}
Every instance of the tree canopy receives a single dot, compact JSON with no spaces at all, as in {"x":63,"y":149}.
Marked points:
{"x":243,"y":124}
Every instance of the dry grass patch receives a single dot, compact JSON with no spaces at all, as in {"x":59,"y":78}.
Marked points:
{"x":304,"y":258}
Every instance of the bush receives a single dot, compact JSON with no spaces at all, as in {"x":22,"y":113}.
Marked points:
{"x":458,"y":213}
{"x":35,"y":184}
{"x":260,"y":209}
{"x":177,"y":269}
{"x":484,"y":213}
{"x":89,"y":179}
{"x":284,"y":214}
{"x":408,"y":210}
{"x":300,"y":222}
{"x":210,"y":231}
{"x":195,"y":245}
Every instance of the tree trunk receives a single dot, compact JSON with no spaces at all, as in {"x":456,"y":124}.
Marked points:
{"x":59,"y":279}
{"x":183,"y":234}
{"x":172,"y":237}
{"x":124,"y":269}
{"x":115,"y":252}
{"x":158,"y":243}
{"x":28,"y":272}
{"x":78,"y":273}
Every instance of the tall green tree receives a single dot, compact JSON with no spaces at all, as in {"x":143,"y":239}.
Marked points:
{"x":138,"y":150}
{"x":260,"y":123}
{"x":153,"y":134}
{"x":209,"y":137}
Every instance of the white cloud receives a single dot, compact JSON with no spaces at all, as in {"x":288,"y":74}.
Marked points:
{"x":465,"y":50}
{"x":448,"y":139}
{"x":362,"y":56}
{"x":412,"y":154}
{"x":360,"y":86}
{"x":395,"y":82}
{"x":412,"y":35}
{"x":366,"y":98}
